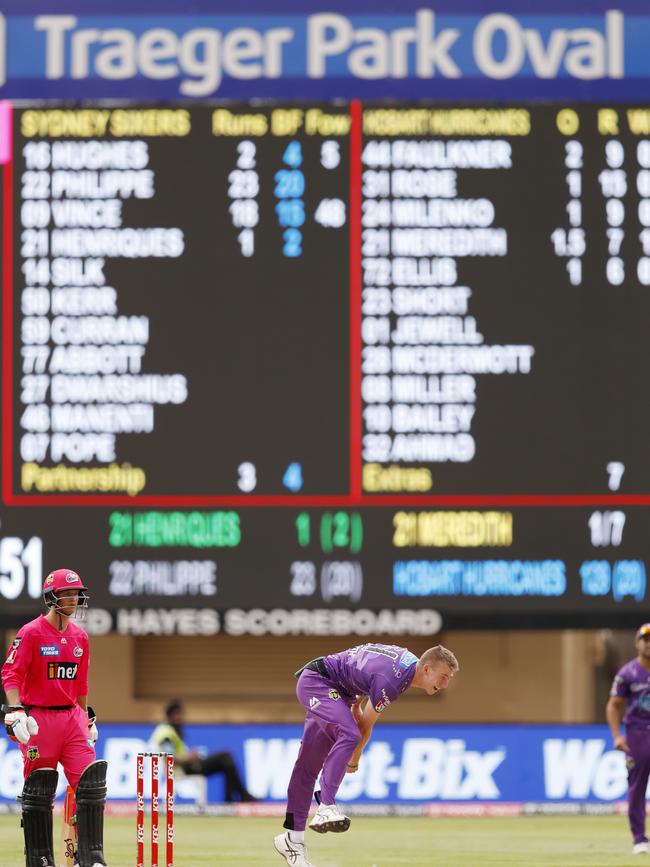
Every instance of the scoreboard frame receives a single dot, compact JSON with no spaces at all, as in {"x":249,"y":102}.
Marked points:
{"x":355,"y":497}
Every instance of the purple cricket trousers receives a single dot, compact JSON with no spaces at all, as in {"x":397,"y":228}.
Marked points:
{"x":329,"y":738}
{"x":638,"y":771}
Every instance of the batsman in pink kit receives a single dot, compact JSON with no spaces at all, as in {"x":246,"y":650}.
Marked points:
{"x":45,"y":678}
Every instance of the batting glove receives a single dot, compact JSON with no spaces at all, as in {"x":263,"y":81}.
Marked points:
{"x":18,"y":725}
{"x":93,"y":734}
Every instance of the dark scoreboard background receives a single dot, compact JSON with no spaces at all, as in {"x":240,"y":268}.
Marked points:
{"x":327,"y":368}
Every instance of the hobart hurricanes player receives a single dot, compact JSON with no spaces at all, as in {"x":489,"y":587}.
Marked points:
{"x":332,"y":690}
{"x":629,"y":703}
{"x":45,"y":678}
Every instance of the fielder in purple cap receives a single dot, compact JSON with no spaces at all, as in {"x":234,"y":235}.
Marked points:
{"x":333,"y":690}
{"x":629,"y":704}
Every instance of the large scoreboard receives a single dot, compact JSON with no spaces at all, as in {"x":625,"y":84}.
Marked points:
{"x":327,"y":367}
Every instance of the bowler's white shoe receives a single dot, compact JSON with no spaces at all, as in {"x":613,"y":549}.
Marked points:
{"x":330,"y":817}
{"x":640,"y":848}
{"x":293,"y":853}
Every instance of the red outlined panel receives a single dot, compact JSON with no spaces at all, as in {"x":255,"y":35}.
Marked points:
{"x":394,"y":500}
{"x":355,"y":497}
{"x":7,"y":316}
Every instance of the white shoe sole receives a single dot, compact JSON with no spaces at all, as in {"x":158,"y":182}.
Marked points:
{"x":338,"y":826}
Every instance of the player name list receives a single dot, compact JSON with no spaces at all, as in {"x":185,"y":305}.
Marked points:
{"x":83,"y":360}
{"x":185,"y":309}
{"x":168,"y":292}
{"x":504,"y":264}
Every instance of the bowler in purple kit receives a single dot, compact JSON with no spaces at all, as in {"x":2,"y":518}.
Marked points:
{"x":629,"y":704}
{"x":333,"y":690}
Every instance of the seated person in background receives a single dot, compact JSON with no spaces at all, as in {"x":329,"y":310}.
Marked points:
{"x":168,"y":737}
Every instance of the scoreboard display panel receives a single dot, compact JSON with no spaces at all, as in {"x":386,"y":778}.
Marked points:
{"x":335,"y":361}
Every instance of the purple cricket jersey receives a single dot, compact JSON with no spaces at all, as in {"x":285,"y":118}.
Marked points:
{"x":380,"y":671}
{"x":632,"y":682}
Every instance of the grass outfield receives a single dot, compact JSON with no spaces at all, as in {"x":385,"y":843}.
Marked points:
{"x":540,"y":841}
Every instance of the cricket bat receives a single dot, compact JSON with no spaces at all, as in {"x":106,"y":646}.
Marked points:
{"x":69,"y":839}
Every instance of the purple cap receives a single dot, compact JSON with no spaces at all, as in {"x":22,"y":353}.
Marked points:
{"x":643,"y":631}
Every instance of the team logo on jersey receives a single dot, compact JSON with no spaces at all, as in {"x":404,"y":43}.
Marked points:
{"x":62,"y":670}
{"x":14,"y":649}
{"x":78,"y":651}
{"x":33,"y":754}
{"x":333,"y":694}
{"x":49,"y":650}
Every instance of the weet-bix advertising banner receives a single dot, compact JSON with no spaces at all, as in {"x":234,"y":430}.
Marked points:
{"x":402,"y":764}
{"x":306,"y":50}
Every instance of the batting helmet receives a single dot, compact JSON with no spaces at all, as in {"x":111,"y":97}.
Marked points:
{"x":63,"y":579}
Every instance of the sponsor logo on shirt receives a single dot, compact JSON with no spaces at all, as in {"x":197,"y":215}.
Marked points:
{"x":33,"y":754}
{"x":383,"y":702}
{"x":334,"y":695}
{"x":314,"y":702}
{"x":62,"y":670}
{"x":407,"y":659}
{"x":381,"y":650}
{"x":78,"y":651}
{"x":49,"y":650}
{"x":638,"y":687}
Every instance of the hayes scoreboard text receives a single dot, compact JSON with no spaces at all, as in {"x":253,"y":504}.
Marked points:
{"x":310,"y":362}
